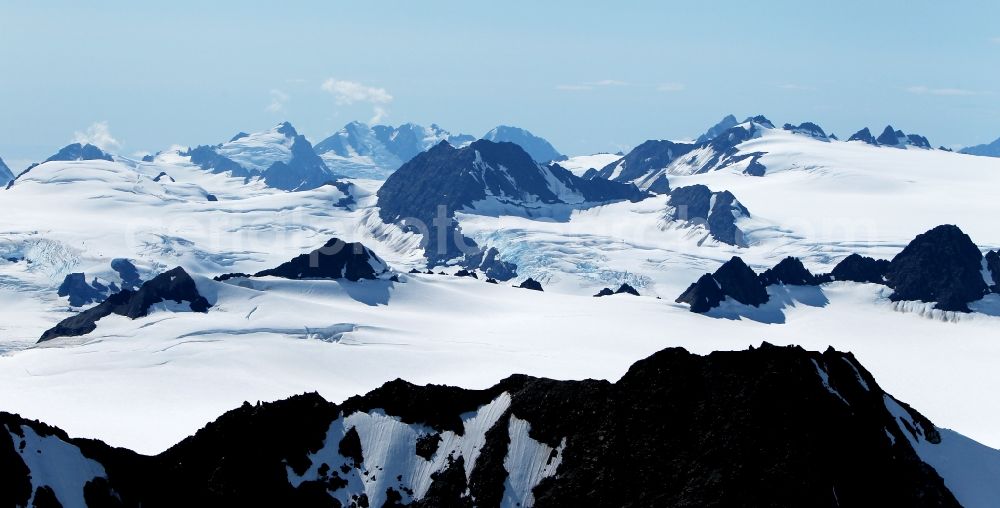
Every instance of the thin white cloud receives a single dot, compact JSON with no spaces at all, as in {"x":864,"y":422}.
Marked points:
{"x":670,"y":87}
{"x":99,"y":135}
{"x":607,"y":82}
{"x":995,"y":40}
{"x":924,"y":90}
{"x":378,"y":114}
{"x":349,"y":92}
{"x":278,"y":101}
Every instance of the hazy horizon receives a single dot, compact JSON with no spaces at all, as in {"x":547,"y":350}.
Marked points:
{"x":588,"y":79}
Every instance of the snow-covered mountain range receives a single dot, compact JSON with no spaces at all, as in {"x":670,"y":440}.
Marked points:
{"x":169,"y":290}
{"x":364,"y":151}
{"x":280,"y":157}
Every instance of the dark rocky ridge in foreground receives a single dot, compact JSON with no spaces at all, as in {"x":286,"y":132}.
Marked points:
{"x":773,"y":426}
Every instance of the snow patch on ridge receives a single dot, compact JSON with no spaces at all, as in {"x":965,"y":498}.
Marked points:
{"x":57,"y":464}
{"x":389,"y":450}
{"x":528,"y":462}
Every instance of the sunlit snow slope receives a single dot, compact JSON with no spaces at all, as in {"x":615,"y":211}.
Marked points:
{"x":149,"y":382}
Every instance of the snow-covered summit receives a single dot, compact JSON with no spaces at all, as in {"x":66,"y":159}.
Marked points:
{"x":280,"y":157}
{"x":374,"y":151}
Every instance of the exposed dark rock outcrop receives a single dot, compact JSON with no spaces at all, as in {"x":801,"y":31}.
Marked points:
{"x":739,"y":281}
{"x":858,"y":268}
{"x":918,"y":141}
{"x":648,"y":164}
{"x":336,"y":259}
{"x":808,"y":129}
{"x":789,"y":271}
{"x":488,"y":261}
{"x":942,"y":265}
{"x":717,"y":211}
{"x":208,"y":159}
{"x":173,"y":285}
{"x":728,"y":122}
{"x":627,"y":289}
{"x":703,"y":295}
{"x":863,"y":135}
{"x":531,"y":284}
{"x":891,"y":137}
{"x":771,"y":426}
{"x":733,"y":279}
{"x":993,"y":267}
{"x":79,"y":291}
{"x":424,"y":194}
{"x":127,"y":271}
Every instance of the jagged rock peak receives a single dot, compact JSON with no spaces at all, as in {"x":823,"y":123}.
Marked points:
{"x":942,"y":265}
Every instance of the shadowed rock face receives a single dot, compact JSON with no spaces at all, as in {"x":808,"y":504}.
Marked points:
{"x":863,"y":135}
{"x":703,"y":295}
{"x":808,"y":129}
{"x":858,"y":268}
{"x":489,"y":262}
{"x":718,"y":211}
{"x":993,"y":267}
{"x":334,"y":260}
{"x":173,"y":285}
{"x":773,"y":426}
{"x":733,"y":279}
{"x":789,"y":271}
{"x":941,"y":265}
{"x":424,"y":193}
{"x":739,"y":281}
{"x":531,"y":284}
{"x":80,"y":292}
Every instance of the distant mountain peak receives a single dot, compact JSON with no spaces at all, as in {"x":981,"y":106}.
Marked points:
{"x":286,"y":129}
{"x":538,"y":148}
{"x":808,"y":129}
{"x":80,"y":152}
{"x":279,"y":156}
{"x":481,"y":176}
{"x":986,"y":150}
{"x":727,"y":122}
{"x":6,"y":175}
{"x":374,"y":151}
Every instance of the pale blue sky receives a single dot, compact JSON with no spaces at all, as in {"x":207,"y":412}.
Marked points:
{"x":588,"y":76}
